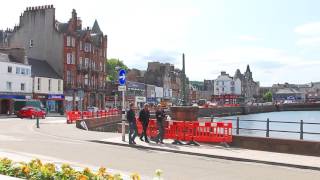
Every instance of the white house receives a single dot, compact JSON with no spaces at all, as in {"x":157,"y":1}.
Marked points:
{"x":47,"y":85}
{"x":226,"y":85}
{"x":15,"y":82}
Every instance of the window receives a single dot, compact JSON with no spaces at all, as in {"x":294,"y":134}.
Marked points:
{"x":23,"y":71}
{"x":59,"y":85}
{"x":86,"y":62}
{"x":222,"y":83}
{"x":80,"y":46}
{"x":49,"y":87}
{"x":86,"y":47}
{"x":31,"y":43}
{"x":69,"y":58}
{"x":86,"y":79}
{"x":222,"y":89}
{"x":69,"y":77}
{"x":101,"y":68}
{"x":73,"y":58}
{"x":9,"y":69}
{"x":232,"y":89}
{"x":18,"y":70}
{"x":73,"y":42}
{"x":22,"y":86}
{"x":80,"y":61}
{"x":39,"y":84}
{"x":27,"y":71}
{"x":68,"y":41}
{"x":9,"y":86}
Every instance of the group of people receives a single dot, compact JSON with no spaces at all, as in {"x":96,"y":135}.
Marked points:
{"x":144,"y":116}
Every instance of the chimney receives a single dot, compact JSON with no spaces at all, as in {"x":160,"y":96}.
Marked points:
{"x":79,"y":24}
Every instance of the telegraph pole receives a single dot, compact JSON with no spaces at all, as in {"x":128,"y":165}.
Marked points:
{"x":184,"y":91}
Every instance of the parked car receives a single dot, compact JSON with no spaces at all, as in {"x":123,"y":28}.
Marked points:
{"x":31,"y":112}
{"x":92,"y":109}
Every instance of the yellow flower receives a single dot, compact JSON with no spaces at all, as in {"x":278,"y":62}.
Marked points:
{"x":6,"y":161}
{"x":25,"y":170}
{"x":87,"y":171}
{"x":50,"y":167}
{"x":102,"y":171}
{"x":82,"y":177}
{"x":135,"y":176}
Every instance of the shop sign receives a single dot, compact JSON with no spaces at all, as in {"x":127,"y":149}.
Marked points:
{"x":140,"y":99}
{"x":68,"y":98}
{"x":12,"y":97}
{"x":55,"y":96}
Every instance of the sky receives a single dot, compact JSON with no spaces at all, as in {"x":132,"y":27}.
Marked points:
{"x":279,"y":39}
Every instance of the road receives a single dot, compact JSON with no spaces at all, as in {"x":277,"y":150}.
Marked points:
{"x":65,"y":142}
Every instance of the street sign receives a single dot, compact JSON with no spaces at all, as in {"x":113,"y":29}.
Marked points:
{"x":122,"y":77}
{"x":122,"y":88}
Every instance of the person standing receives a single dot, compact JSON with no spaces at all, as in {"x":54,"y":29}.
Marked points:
{"x":160,"y":115}
{"x":144,"y":116}
{"x":131,"y":118}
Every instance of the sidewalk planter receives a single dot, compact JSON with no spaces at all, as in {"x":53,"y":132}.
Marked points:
{"x":48,"y":171}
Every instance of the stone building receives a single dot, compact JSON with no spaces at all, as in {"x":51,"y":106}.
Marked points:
{"x":167,"y":76}
{"x":249,"y":87}
{"x":77,"y":54}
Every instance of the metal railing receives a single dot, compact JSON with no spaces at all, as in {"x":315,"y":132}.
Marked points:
{"x":267,"y":130}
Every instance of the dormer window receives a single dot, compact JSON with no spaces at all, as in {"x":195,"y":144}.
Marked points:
{"x":31,"y":43}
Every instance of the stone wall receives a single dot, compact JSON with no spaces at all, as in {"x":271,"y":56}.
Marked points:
{"x":303,"y":147}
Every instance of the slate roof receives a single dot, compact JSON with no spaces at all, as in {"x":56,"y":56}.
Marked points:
{"x":41,"y":68}
{"x":63,"y":27}
{"x":96,"y":28}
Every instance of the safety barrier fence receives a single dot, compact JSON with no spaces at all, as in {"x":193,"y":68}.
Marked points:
{"x":73,"y":116}
{"x":191,"y":131}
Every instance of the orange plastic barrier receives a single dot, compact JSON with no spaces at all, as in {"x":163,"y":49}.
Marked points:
{"x":193,"y":131}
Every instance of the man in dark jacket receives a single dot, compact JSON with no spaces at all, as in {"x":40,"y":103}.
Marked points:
{"x":131,"y":117}
{"x":144,"y":116}
{"x":160,"y":115}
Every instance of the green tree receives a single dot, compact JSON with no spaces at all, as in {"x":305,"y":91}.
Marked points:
{"x":112,"y":72}
{"x":267,"y":96}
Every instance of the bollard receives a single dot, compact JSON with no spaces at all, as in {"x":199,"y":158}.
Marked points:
{"x":301,"y":129}
{"x":238,"y":125}
{"x":268,"y":127}
{"x":38,"y":125}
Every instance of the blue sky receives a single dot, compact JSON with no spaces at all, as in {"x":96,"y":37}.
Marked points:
{"x":280,"y":39}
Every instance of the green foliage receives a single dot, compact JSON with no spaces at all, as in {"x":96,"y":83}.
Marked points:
{"x":267,"y":96}
{"x":112,"y":73}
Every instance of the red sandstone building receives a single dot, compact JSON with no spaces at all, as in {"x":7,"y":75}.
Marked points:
{"x":77,"y":54}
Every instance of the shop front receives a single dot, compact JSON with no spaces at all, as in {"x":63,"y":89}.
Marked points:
{"x":53,"y":103}
{"x":6,"y":102}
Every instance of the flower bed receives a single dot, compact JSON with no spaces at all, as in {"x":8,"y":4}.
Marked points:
{"x":36,"y":170}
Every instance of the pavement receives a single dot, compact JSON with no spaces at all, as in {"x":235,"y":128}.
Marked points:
{"x":59,"y":142}
{"x":225,"y":152}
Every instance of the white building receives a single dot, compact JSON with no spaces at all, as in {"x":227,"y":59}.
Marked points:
{"x":15,"y":82}
{"x":226,"y":85}
{"x":47,"y":86}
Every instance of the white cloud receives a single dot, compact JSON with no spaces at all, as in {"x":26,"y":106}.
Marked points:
{"x":309,"y":29}
{"x":308,"y":35}
{"x":268,"y":65}
{"x":249,"y":38}
{"x":309,"y":41}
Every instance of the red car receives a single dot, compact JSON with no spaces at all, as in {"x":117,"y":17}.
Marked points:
{"x":31,"y":112}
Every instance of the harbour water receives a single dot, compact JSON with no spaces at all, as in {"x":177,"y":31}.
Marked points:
{"x":287,"y":116}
